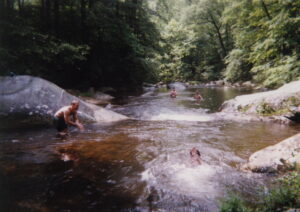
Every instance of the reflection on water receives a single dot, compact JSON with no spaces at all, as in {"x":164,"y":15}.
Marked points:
{"x":136,"y":165}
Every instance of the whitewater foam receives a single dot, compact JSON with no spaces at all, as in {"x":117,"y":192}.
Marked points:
{"x":192,"y":181}
{"x":182,"y":117}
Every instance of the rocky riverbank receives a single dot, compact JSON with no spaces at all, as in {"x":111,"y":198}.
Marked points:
{"x":281,"y":157}
{"x":280,"y":105}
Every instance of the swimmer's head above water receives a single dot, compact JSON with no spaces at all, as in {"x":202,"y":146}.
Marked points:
{"x":195,"y":155}
{"x":195,"y":152}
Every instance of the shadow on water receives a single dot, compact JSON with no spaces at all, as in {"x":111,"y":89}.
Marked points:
{"x":136,"y":165}
{"x":80,"y":176}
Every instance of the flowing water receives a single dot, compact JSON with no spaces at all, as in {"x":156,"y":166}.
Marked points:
{"x":142,"y":164}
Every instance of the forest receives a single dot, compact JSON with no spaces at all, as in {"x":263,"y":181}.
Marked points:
{"x":124,"y":43}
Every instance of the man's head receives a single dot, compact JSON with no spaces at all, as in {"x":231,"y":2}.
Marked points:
{"x":74,"y":105}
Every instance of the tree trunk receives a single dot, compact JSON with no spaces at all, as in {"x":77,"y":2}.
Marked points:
{"x":117,"y":8}
{"x":56,"y":18}
{"x":91,"y":3}
{"x":43,"y":14}
{"x":8,"y":4}
{"x":265,"y":8}
{"x":42,"y":9}
{"x":134,"y":19}
{"x":229,"y":42}
{"x":83,"y":4}
{"x":48,"y":15}
{"x":219,"y":34}
{"x":8,"y":8}
{"x":20,"y":7}
{"x":2,"y":8}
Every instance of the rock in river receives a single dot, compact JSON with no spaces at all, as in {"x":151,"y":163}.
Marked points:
{"x":279,"y":103}
{"x":32,"y":100}
{"x":280,"y":157}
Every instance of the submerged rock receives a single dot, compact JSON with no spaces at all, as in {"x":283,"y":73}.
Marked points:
{"x":281,"y":157}
{"x":32,"y":100}
{"x":177,"y":86}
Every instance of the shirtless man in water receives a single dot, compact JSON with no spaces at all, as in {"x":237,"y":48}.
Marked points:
{"x":198,"y":96}
{"x":62,"y":118}
{"x":173,"y":93}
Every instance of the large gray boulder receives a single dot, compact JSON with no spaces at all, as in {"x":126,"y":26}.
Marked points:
{"x":32,"y":100}
{"x":280,"y":157}
{"x":280,"y":102}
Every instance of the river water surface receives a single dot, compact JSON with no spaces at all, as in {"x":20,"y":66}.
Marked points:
{"x":141,"y":164}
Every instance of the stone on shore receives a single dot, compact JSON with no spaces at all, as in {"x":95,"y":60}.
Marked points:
{"x":280,"y":157}
{"x":177,"y":86}
{"x":278,"y":104}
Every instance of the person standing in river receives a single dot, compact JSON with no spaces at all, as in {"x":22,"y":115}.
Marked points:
{"x":173,"y":93}
{"x":62,"y":118}
{"x":198,"y":96}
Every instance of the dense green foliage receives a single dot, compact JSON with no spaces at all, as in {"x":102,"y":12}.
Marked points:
{"x":266,"y":33}
{"x":283,"y":196}
{"x":194,"y":40}
{"x":233,"y":204}
{"x":78,"y":43}
{"x":237,"y":40}
{"x":94,"y":43}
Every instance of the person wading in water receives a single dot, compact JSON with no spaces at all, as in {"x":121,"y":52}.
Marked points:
{"x":198,"y":96}
{"x":62,"y":118}
{"x":173,"y":93}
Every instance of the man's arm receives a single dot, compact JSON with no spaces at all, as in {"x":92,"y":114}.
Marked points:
{"x":77,"y":122}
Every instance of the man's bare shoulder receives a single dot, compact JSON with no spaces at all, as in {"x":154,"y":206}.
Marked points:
{"x":65,"y":110}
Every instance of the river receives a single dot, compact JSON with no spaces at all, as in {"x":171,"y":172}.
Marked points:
{"x":141,"y":164}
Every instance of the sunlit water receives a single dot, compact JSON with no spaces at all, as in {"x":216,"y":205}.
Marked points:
{"x":142,"y":164}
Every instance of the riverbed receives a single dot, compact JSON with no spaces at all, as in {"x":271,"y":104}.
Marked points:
{"x":141,"y":164}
